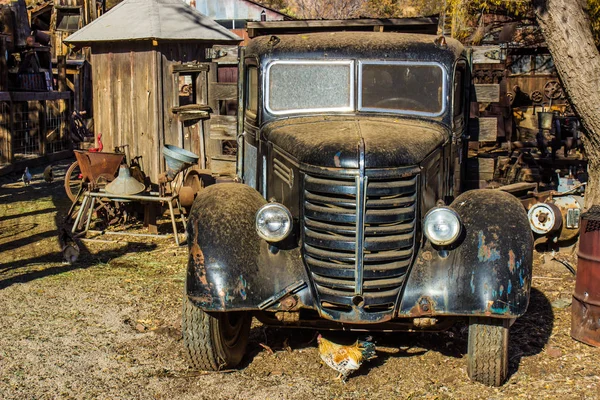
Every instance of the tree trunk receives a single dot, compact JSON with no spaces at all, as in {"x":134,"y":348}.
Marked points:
{"x":567,"y":31}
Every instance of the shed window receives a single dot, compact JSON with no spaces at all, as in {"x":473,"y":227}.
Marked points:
{"x":186,"y":92}
{"x":68,"y":20}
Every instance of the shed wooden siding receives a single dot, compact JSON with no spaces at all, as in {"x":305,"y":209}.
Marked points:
{"x":126,"y":101}
{"x":135,"y":90}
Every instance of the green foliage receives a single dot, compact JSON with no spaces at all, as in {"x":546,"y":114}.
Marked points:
{"x":402,"y":8}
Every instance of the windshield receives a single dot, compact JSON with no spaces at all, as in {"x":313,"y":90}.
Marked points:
{"x":310,"y":86}
{"x":402,"y":87}
{"x":383,"y":86}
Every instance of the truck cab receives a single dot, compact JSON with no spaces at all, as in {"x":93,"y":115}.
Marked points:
{"x":349,"y":212}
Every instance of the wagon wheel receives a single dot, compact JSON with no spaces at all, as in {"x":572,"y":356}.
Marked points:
{"x":537,"y":96}
{"x":73,"y":181}
{"x":552,"y":90}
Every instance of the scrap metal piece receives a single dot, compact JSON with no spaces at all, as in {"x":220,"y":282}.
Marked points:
{"x":544,"y":218}
{"x":125,"y":183}
{"x":279,"y":295}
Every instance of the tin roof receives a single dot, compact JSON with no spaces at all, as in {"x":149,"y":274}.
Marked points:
{"x":153,"y":19}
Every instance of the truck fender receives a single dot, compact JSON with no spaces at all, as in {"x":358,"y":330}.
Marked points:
{"x":486,"y":273}
{"x":229,"y":266}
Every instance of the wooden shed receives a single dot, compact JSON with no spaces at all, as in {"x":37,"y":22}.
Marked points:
{"x":151,"y":77}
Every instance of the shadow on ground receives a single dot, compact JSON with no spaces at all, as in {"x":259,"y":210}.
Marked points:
{"x":528,"y":336}
{"x":14,"y":194}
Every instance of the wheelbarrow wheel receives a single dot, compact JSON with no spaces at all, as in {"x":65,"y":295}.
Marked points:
{"x":73,"y":181}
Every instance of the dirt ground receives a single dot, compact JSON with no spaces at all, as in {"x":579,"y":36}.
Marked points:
{"x":108,"y":327}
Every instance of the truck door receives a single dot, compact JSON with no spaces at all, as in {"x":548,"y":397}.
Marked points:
{"x":460,"y":109}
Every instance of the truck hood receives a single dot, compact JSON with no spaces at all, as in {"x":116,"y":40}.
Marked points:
{"x":336,"y":142}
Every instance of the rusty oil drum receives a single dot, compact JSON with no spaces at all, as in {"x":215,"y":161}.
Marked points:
{"x":585,"y":312}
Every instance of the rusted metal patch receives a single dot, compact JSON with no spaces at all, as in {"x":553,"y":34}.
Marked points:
{"x":198,"y":262}
{"x":511,"y":261}
{"x":486,"y":252}
{"x":585,"y":320}
{"x":425,"y":306}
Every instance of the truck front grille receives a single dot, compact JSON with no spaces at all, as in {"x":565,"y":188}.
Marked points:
{"x":331,"y":235}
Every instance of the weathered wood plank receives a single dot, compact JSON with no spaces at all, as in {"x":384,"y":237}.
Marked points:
{"x":415,"y":25}
{"x":486,"y":54}
{"x":487,"y":93}
{"x":483,"y":129}
{"x":190,"y":67}
{"x":488,"y":129}
{"x":170,"y":84}
{"x":223,"y":127}
{"x":480,"y":169}
{"x":223,"y":91}
{"x":212,"y":147}
{"x":223,"y":54}
{"x":223,"y":165}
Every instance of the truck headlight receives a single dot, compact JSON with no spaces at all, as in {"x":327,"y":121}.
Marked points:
{"x":442,"y":226}
{"x":273,"y":222}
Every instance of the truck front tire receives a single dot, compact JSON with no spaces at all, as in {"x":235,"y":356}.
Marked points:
{"x":488,"y":350}
{"x":214,"y":341}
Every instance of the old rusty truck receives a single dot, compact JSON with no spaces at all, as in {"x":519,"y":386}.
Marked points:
{"x":348,"y":213}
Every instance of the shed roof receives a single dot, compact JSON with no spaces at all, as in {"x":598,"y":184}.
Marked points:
{"x":153,"y":19}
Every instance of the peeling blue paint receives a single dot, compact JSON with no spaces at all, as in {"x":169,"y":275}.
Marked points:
{"x":509,"y":288}
{"x":486,"y":252}
{"x":499,"y":310}
{"x":473,"y":282}
{"x":521,"y":278}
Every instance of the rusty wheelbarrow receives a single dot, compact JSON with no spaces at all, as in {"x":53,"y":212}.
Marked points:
{"x":90,"y":171}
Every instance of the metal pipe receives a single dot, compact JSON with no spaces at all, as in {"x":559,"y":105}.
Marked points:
{"x":87,"y":224}
{"x":83,"y":204}
{"x":133,"y":197}
{"x":173,"y":223}
{"x":128,"y":234}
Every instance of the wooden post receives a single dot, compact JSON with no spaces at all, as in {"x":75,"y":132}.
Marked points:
{"x":212,"y":147}
{"x":77,"y":91}
{"x":43,"y":131}
{"x":62,"y":73}
{"x":4,"y":134}
{"x":62,"y":87}
{"x":239,"y":140}
{"x":202,"y":98}
{"x":10,"y":145}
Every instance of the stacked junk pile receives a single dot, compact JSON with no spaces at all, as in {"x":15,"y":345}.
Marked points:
{"x":550,"y":178}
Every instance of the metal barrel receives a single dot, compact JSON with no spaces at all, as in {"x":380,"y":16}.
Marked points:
{"x":585,"y":312}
